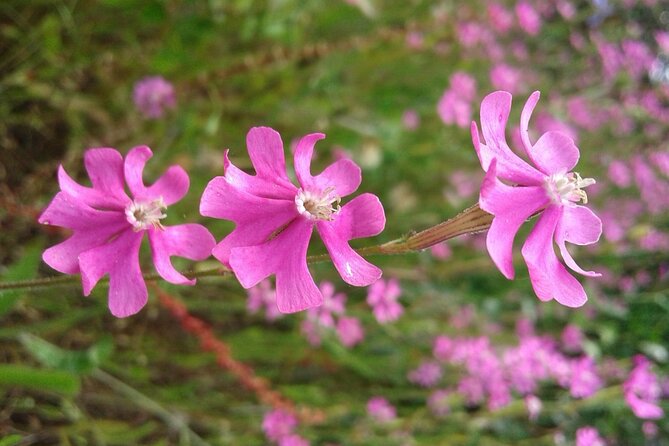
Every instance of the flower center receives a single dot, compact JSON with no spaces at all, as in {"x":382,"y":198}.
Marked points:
{"x":563,"y":188}
{"x":141,"y":215}
{"x":317,"y":206}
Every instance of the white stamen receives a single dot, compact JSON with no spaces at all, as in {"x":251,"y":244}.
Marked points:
{"x":141,"y":215}
{"x":317,"y":205}
{"x":564,"y":188}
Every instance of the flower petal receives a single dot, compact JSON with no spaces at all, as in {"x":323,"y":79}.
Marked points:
{"x":120,"y":259}
{"x":525,"y":116}
{"x":555,"y":152}
{"x":172,"y":186}
{"x":344,"y":175}
{"x":256,"y":185}
{"x":69,"y":212}
{"x":266,"y":152}
{"x":511,"y":206}
{"x":191,"y":241}
{"x":256,"y":217}
{"x":549,"y":277}
{"x":581,"y":226}
{"x":286,"y":256}
{"x":105,"y":169}
{"x":304,"y":151}
{"x":92,"y":197}
{"x":495,"y":110}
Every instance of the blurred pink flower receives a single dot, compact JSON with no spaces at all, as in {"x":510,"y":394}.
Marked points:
{"x":506,"y":77}
{"x":415,"y":40}
{"x":619,"y":173}
{"x":588,"y":436}
{"x":153,"y":95}
{"x":410,"y":119}
{"x":275,"y":219}
{"x":293,"y":440}
{"x":108,"y":226}
{"x":572,"y":338}
{"x":529,"y":19}
{"x":382,"y":297}
{"x":650,"y":429}
{"x":263,"y":296}
{"x":584,"y":380}
{"x":500,"y":18}
{"x":278,"y":424}
{"x":550,"y":188}
{"x":441,"y":251}
{"x":380,"y":409}
{"x":426,"y":375}
{"x":642,"y":390}
{"x":454,"y":106}
{"x":438,"y":402}
{"x":350,"y":331}
{"x":333,"y":304}
{"x":533,"y":405}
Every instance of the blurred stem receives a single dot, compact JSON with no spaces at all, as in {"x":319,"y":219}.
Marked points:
{"x":469,"y":221}
{"x":146,"y":403}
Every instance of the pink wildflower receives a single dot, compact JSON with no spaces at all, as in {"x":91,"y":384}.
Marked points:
{"x":533,"y":405}
{"x":108,"y":226}
{"x":529,"y":19}
{"x":278,"y":424}
{"x":500,"y":18}
{"x":350,"y":331}
{"x":293,"y":440}
{"x":263,"y":296}
{"x":382,"y":297}
{"x":642,"y":390}
{"x":410,"y":119}
{"x":588,"y":436}
{"x":380,"y":409}
{"x":619,"y":173}
{"x":275,"y":219}
{"x":506,"y":77}
{"x":572,"y":338}
{"x":584,"y":380}
{"x":152,"y":95}
{"x":438,"y":402}
{"x":333,"y":304}
{"x":550,"y":187}
{"x":426,"y":375}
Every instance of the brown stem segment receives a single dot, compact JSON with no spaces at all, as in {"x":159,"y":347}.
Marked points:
{"x":244,"y":373}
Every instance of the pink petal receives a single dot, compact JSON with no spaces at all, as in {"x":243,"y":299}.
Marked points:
{"x":549,"y":277}
{"x":95,"y":198}
{"x":266,"y":152}
{"x":525,"y":116}
{"x":257,"y":185}
{"x":555,"y":152}
{"x":511,"y":206}
{"x":362,"y":217}
{"x":119,"y":259}
{"x":495,"y":110}
{"x":643,"y":409}
{"x":105,"y":169}
{"x":257,"y":218}
{"x":286,"y":256}
{"x":581,"y":226}
{"x":68,"y":212}
{"x":304,"y":151}
{"x":191,"y":241}
{"x":171,"y":186}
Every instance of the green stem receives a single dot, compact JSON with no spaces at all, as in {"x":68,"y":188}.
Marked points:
{"x":469,"y":221}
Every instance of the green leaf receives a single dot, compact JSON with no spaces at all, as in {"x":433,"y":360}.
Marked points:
{"x":75,"y":361}
{"x":10,"y":440}
{"x":24,"y":268}
{"x":47,"y":380}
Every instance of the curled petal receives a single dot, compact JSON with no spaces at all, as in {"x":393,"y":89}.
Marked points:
{"x":549,"y":277}
{"x":361,"y":217}
{"x":578,"y":225}
{"x":286,"y":256}
{"x":304,"y":151}
{"x":257,"y":185}
{"x":95,"y":198}
{"x":511,"y":206}
{"x":105,"y":169}
{"x":495,"y":110}
{"x":266,"y":152}
{"x":525,"y":116}
{"x":191,"y":241}
{"x":555,"y":152}
{"x":120,"y":259}
{"x":171,"y":186}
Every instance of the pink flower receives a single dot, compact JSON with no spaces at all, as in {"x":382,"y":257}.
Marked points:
{"x":529,"y":19}
{"x":278,"y":424}
{"x":410,"y":119}
{"x":263,"y":296}
{"x":275,"y":219}
{"x":382,"y":297}
{"x":584,"y":380}
{"x":108,"y":226}
{"x":333,"y":304}
{"x":380,"y":409}
{"x":642,"y":390}
{"x":438,"y":402}
{"x":350,"y":331}
{"x":572,"y":338}
{"x":588,"y":436}
{"x":533,"y":405}
{"x":426,"y":375}
{"x":293,"y":440}
{"x":550,"y":188}
{"x":152,"y":95}
{"x":500,"y":18}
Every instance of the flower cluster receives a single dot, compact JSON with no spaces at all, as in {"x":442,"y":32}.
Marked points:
{"x":279,"y":427}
